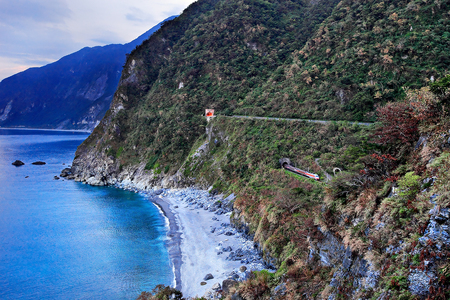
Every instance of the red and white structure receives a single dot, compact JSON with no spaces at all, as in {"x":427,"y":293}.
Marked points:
{"x":209,"y":114}
{"x":286,"y":164}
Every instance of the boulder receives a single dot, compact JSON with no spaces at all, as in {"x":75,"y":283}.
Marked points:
{"x":243,"y":269}
{"x":56,"y":177}
{"x":38,"y":163}
{"x":18,"y":163}
{"x":202,"y":283}
{"x":236,"y":296}
{"x":280,"y":290}
{"x":216,"y":287}
{"x":208,"y":276}
{"x":66,"y":172}
{"x":158,"y":192}
{"x":227,"y":284}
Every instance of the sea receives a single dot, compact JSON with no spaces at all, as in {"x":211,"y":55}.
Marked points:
{"x":61,"y":239}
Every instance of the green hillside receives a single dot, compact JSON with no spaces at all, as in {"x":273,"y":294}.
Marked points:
{"x":219,"y":51}
{"x":360,"y":232}
{"x":362,"y":55}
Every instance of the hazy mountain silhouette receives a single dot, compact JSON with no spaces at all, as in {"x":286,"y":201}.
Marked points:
{"x":71,"y":93}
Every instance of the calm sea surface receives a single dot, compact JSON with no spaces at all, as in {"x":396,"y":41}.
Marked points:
{"x":66,"y":240}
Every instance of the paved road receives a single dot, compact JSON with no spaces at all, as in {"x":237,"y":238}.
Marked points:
{"x":287,"y":119}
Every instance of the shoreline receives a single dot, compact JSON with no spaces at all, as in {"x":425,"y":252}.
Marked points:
{"x":174,"y":239}
{"x":47,"y":129}
{"x":201,"y":241}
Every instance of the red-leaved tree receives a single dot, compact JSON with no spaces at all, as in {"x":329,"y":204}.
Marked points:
{"x":398,"y":124}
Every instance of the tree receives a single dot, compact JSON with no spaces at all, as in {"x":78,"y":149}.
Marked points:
{"x":398,"y":124}
{"x":441,"y":88}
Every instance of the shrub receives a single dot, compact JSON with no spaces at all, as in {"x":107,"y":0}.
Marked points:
{"x":409,"y":186}
{"x":151,"y":162}
{"x":161,"y":292}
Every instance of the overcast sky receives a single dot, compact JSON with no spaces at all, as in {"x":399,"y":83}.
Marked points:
{"x":37,"y":32}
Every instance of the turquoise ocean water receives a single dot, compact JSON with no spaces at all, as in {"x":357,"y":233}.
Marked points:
{"x":61,"y":239}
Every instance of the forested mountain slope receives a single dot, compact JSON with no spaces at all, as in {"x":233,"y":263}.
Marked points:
{"x":362,"y":55}
{"x":366,"y":233}
{"x":213,"y":55}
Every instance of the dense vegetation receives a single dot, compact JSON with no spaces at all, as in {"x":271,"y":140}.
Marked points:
{"x":356,"y":60}
{"x":242,"y":156}
{"x":377,"y":205}
{"x":362,"y":55}
{"x":213,"y":55}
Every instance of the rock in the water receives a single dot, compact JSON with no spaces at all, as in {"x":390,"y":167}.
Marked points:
{"x":66,"y":172}
{"x":56,"y":177}
{"x":202,"y":283}
{"x":38,"y":163}
{"x":208,"y":276}
{"x":27,"y":176}
{"x":243,"y":269}
{"x":229,"y":233}
{"x":216,"y":287}
{"x":227,"y":284}
{"x":18,"y":163}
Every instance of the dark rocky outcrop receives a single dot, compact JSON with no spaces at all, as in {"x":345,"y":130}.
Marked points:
{"x":38,"y":163}
{"x":208,"y":276}
{"x":66,"y":172}
{"x":18,"y":163}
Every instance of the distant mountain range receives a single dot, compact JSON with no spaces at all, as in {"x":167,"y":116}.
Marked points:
{"x":71,"y":93}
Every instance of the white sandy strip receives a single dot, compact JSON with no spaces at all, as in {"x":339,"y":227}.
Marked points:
{"x":199,"y":248}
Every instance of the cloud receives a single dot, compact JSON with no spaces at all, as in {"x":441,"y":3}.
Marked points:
{"x":34,"y":28}
{"x":19,"y":11}
{"x":137,"y":15}
{"x":37,"y":40}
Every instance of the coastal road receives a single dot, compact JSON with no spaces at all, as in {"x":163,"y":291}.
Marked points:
{"x":288,"y":119}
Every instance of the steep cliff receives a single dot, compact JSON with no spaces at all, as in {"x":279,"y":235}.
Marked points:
{"x":213,"y":55}
{"x":365,"y":233}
